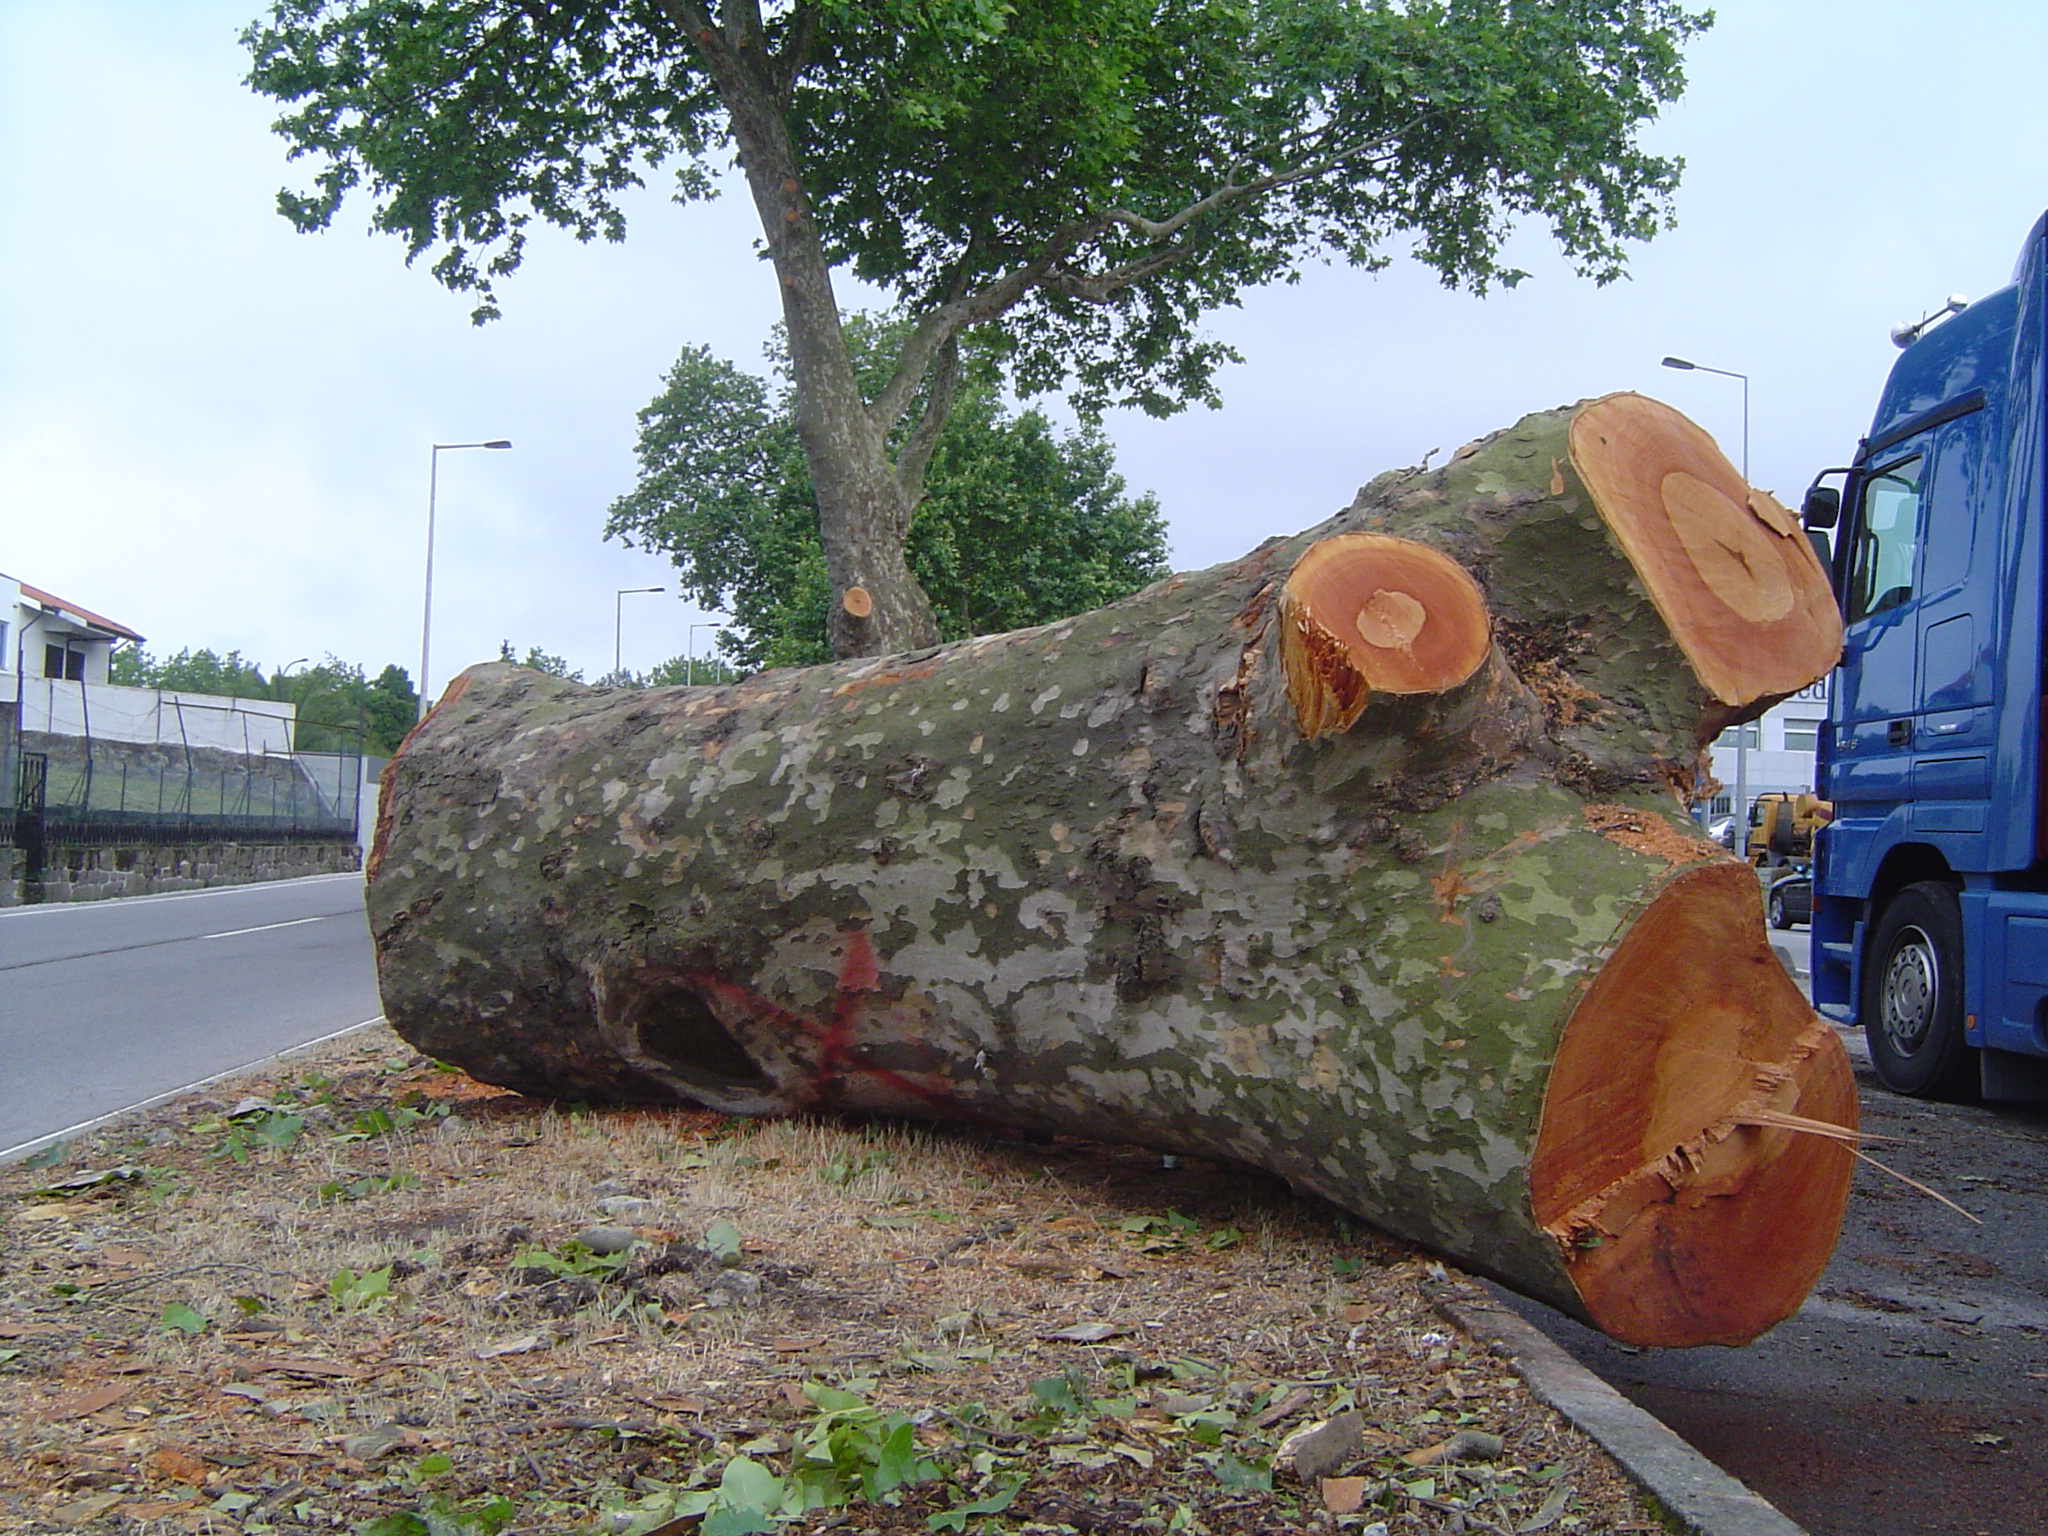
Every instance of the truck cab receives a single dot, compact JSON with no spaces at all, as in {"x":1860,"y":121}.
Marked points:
{"x":1930,"y":925}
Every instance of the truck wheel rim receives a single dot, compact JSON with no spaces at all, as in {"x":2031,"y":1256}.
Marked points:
{"x":1912,"y":989}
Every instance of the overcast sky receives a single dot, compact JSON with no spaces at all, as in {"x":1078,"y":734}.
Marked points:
{"x":216,"y":431}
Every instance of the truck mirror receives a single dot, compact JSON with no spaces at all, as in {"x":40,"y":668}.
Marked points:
{"x":1823,"y":507}
{"x":1821,"y":551}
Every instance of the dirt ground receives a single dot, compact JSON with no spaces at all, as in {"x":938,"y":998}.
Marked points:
{"x":349,"y":1293}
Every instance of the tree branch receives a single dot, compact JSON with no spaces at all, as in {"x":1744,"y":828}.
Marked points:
{"x":924,"y":437}
{"x":942,"y":324}
{"x":797,"y":41}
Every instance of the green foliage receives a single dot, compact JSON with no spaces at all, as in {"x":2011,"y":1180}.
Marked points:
{"x":360,"y":1293}
{"x":571,"y":1261}
{"x":376,"y":1124}
{"x":339,"y":1191}
{"x":176,"y":1317}
{"x":338,"y":708}
{"x":1104,"y":174}
{"x":1020,"y":524}
{"x":262,"y":1127}
{"x":439,"y":1513}
{"x":538,"y":660}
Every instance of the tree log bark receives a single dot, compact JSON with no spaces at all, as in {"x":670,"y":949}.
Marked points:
{"x":1360,"y":860}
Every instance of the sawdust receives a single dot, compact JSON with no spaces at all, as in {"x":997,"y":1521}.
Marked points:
{"x":1642,"y":832}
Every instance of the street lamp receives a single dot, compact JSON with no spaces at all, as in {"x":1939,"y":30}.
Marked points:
{"x":618,"y":619}
{"x":1741,"y":731}
{"x":690,"y":651}
{"x":427,"y":610}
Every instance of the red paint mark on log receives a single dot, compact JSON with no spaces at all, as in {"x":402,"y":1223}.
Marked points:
{"x":838,"y":1047}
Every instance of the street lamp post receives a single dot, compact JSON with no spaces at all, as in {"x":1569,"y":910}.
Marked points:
{"x":618,"y":622}
{"x":1741,"y":731}
{"x":690,"y":652}
{"x":427,"y":609}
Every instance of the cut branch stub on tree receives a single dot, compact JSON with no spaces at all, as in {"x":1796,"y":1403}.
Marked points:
{"x":1461,"y":966}
{"x":1727,"y":566}
{"x":1363,"y":613}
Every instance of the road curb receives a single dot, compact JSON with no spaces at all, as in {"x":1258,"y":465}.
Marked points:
{"x":1705,"y":1500}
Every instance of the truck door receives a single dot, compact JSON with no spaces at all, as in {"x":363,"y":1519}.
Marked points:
{"x":1878,"y":684}
{"x":1953,"y":723}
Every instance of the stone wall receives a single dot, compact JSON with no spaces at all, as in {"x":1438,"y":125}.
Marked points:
{"x":93,"y":874}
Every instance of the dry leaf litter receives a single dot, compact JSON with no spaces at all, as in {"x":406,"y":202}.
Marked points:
{"x":356,"y":1291}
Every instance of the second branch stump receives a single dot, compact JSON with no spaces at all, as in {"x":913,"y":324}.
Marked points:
{"x":1360,"y":860}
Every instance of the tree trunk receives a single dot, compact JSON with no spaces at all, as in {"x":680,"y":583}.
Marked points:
{"x":1360,"y":860}
{"x":864,"y":508}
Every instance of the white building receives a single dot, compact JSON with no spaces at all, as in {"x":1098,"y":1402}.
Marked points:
{"x":42,"y":636}
{"x":57,"y":660}
{"x":1775,"y":752}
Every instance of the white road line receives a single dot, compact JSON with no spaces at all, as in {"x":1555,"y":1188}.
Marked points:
{"x":123,"y":903}
{"x":231,"y":933}
{"x":23,"y":1148}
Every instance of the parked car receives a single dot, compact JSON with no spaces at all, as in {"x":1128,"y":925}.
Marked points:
{"x":1791,"y":898}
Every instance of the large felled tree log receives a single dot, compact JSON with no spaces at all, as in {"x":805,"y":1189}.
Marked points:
{"x":1359,"y":860}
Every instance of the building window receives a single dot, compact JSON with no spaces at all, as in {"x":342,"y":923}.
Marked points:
{"x":1802,"y":735}
{"x":1740,"y":736}
{"x":64,"y":664}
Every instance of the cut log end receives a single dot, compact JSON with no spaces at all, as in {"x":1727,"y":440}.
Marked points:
{"x":1363,"y":613}
{"x":1726,"y":565}
{"x":858,"y":602}
{"x":1683,"y":1220}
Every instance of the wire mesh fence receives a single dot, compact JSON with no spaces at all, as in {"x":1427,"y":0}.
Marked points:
{"x":122,"y":765}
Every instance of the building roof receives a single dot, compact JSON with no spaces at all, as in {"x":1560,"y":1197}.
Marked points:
{"x":77,"y":614}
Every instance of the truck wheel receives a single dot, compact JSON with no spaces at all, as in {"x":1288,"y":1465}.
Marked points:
{"x":1912,"y":995}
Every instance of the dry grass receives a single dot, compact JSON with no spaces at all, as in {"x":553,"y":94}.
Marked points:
{"x":184,"y":1350}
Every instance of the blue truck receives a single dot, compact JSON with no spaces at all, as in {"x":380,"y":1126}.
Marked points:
{"x":1930,"y":924}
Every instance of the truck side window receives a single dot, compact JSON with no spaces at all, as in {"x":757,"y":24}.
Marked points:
{"x":1887,"y":540}
{"x":1954,"y":493}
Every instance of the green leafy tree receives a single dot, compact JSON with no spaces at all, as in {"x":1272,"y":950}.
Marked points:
{"x":1095,"y":177}
{"x":1020,"y":524}
{"x":201,"y":671}
{"x":336,"y":708}
{"x":538,"y":660}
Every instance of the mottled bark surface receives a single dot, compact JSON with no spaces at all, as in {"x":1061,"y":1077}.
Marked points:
{"x":1092,"y":877}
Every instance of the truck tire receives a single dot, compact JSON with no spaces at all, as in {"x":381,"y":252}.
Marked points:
{"x":1912,"y":995}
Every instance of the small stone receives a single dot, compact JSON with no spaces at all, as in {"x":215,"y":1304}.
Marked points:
{"x":381,"y":1441}
{"x":607,"y":1239}
{"x":1322,"y":1450}
{"x":1465,"y":1445}
{"x":734,"y":1288}
{"x":606,"y":1187}
{"x":626,"y":1208}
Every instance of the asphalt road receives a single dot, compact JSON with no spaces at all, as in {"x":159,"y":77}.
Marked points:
{"x":108,"y":1004}
{"x":1909,"y":1396}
